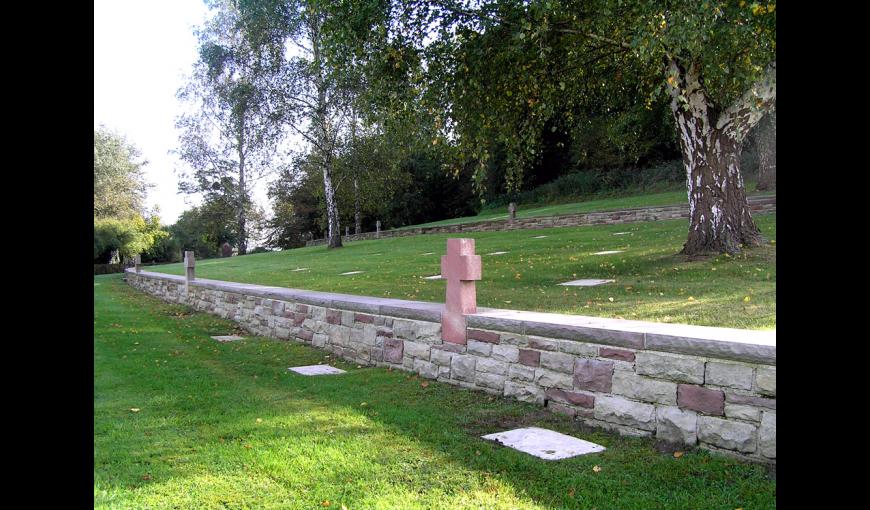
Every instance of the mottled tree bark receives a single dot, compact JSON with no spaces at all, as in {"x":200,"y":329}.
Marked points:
{"x":720,"y":220}
{"x":767,"y":153}
{"x":240,"y":206}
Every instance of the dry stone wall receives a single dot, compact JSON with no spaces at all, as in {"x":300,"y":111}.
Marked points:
{"x":758,"y":205}
{"x":634,"y":378}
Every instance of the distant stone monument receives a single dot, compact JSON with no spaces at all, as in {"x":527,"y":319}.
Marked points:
{"x":137,"y":261}
{"x":226,"y":250}
{"x":460,"y":267}
{"x":346,"y":231}
{"x":512,"y":211}
{"x":378,"y":229}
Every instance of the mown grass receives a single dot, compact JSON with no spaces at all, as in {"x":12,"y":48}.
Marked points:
{"x":652,"y":282}
{"x":227,"y":426}
{"x":674,"y":197}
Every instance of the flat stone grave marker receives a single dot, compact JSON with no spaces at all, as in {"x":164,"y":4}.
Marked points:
{"x":428,"y":253}
{"x":316,"y":370}
{"x":591,"y":282}
{"x":433,"y":277}
{"x":539,"y":237}
{"x":299,"y":269}
{"x":352,"y":272}
{"x":227,"y":338}
{"x":621,"y":233}
{"x":543,"y":443}
{"x":497,"y":253}
{"x":608,"y":252}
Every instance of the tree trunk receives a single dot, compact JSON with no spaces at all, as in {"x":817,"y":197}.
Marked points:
{"x":767,"y":153}
{"x":334,"y":232}
{"x":720,"y":220}
{"x":322,"y":129}
{"x":240,"y":205}
{"x":357,"y":216}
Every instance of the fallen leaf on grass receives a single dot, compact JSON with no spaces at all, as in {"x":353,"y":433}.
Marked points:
{"x":134,"y":409}
{"x":146,"y":477}
{"x":259,"y":420}
{"x":363,"y":404}
{"x":677,"y":455}
{"x":596,"y":468}
{"x":424,"y":384}
{"x":325,"y":503}
{"x":571,"y":492}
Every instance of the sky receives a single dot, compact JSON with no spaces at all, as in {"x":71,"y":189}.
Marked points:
{"x":142,"y":51}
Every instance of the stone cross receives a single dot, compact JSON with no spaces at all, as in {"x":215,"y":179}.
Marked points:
{"x":346,"y":231}
{"x":512,"y":211}
{"x":189,"y":263}
{"x":460,"y":267}
{"x":137,"y":260}
{"x":378,"y":229}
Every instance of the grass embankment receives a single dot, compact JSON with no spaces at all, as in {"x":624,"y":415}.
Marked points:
{"x":652,"y":283}
{"x":675,"y":197}
{"x":227,"y":426}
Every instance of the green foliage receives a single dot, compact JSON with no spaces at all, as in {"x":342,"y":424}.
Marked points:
{"x":119,"y":184}
{"x":129,"y":237}
{"x":205,"y":228}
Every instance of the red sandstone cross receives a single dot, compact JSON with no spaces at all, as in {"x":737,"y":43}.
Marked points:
{"x":460,"y":267}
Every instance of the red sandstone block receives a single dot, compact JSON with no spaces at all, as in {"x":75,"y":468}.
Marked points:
{"x":393,"y":350}
{"x":302,"y":308}
{"x":593,"y":375}
{"x":333,"y":316}
{"x":578,"y":399}
{"x":306,"y":335}
{"x":697,"y":398}
{"x":362,"y":317}
{"x":298,"y":319}
{"x":530,"y":358}
{"x":484,"y":336}
{"x":619,"y":354}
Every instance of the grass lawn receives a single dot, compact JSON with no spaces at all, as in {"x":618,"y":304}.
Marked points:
{"x":652,"y":282}
{"x":227,"y":426}
{"x":677,"y":197}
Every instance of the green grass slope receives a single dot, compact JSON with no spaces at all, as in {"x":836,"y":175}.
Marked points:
{"x":652,"y":282}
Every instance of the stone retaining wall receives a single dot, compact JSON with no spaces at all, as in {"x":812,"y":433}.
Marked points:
{"x":758,"y":205}
{"x":696,"y":386}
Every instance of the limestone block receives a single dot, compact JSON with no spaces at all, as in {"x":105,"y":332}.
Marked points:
{"x":671,"y":367}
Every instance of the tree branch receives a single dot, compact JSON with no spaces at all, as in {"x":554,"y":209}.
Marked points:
{"x":738,"y":119}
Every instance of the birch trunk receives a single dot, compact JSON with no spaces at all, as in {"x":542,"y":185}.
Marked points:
{"x":240,"y":207}
{"x":720,"y":220}
{"x":322,"y":130}
{"x":767,"y":153}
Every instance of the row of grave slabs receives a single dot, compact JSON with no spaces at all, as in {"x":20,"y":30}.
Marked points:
{"x":588,"y":282}
{"x":539,"y":442}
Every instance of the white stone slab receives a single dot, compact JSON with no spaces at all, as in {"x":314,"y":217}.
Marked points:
{"x":608,"y":252}
{"x":299,"y":269}
{"x":316,"y":370}
{"x":428,"y":253}
{"x":539,"y":237}
{"x":544,"y":444}
{"x":621,"y":233}
{"x":352,"y":272}
{"x":227,"y":338}
{"x":497,"y":253}
{"x":433,"y":277}
{"x":586,"y":283}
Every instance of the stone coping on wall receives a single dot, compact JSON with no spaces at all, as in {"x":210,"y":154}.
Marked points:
{"x":727,"y":343}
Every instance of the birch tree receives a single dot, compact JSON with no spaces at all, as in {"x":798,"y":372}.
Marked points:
{"x":231,"y":136}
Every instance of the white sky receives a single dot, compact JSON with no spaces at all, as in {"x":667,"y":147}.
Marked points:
{"x":142,"y":50}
